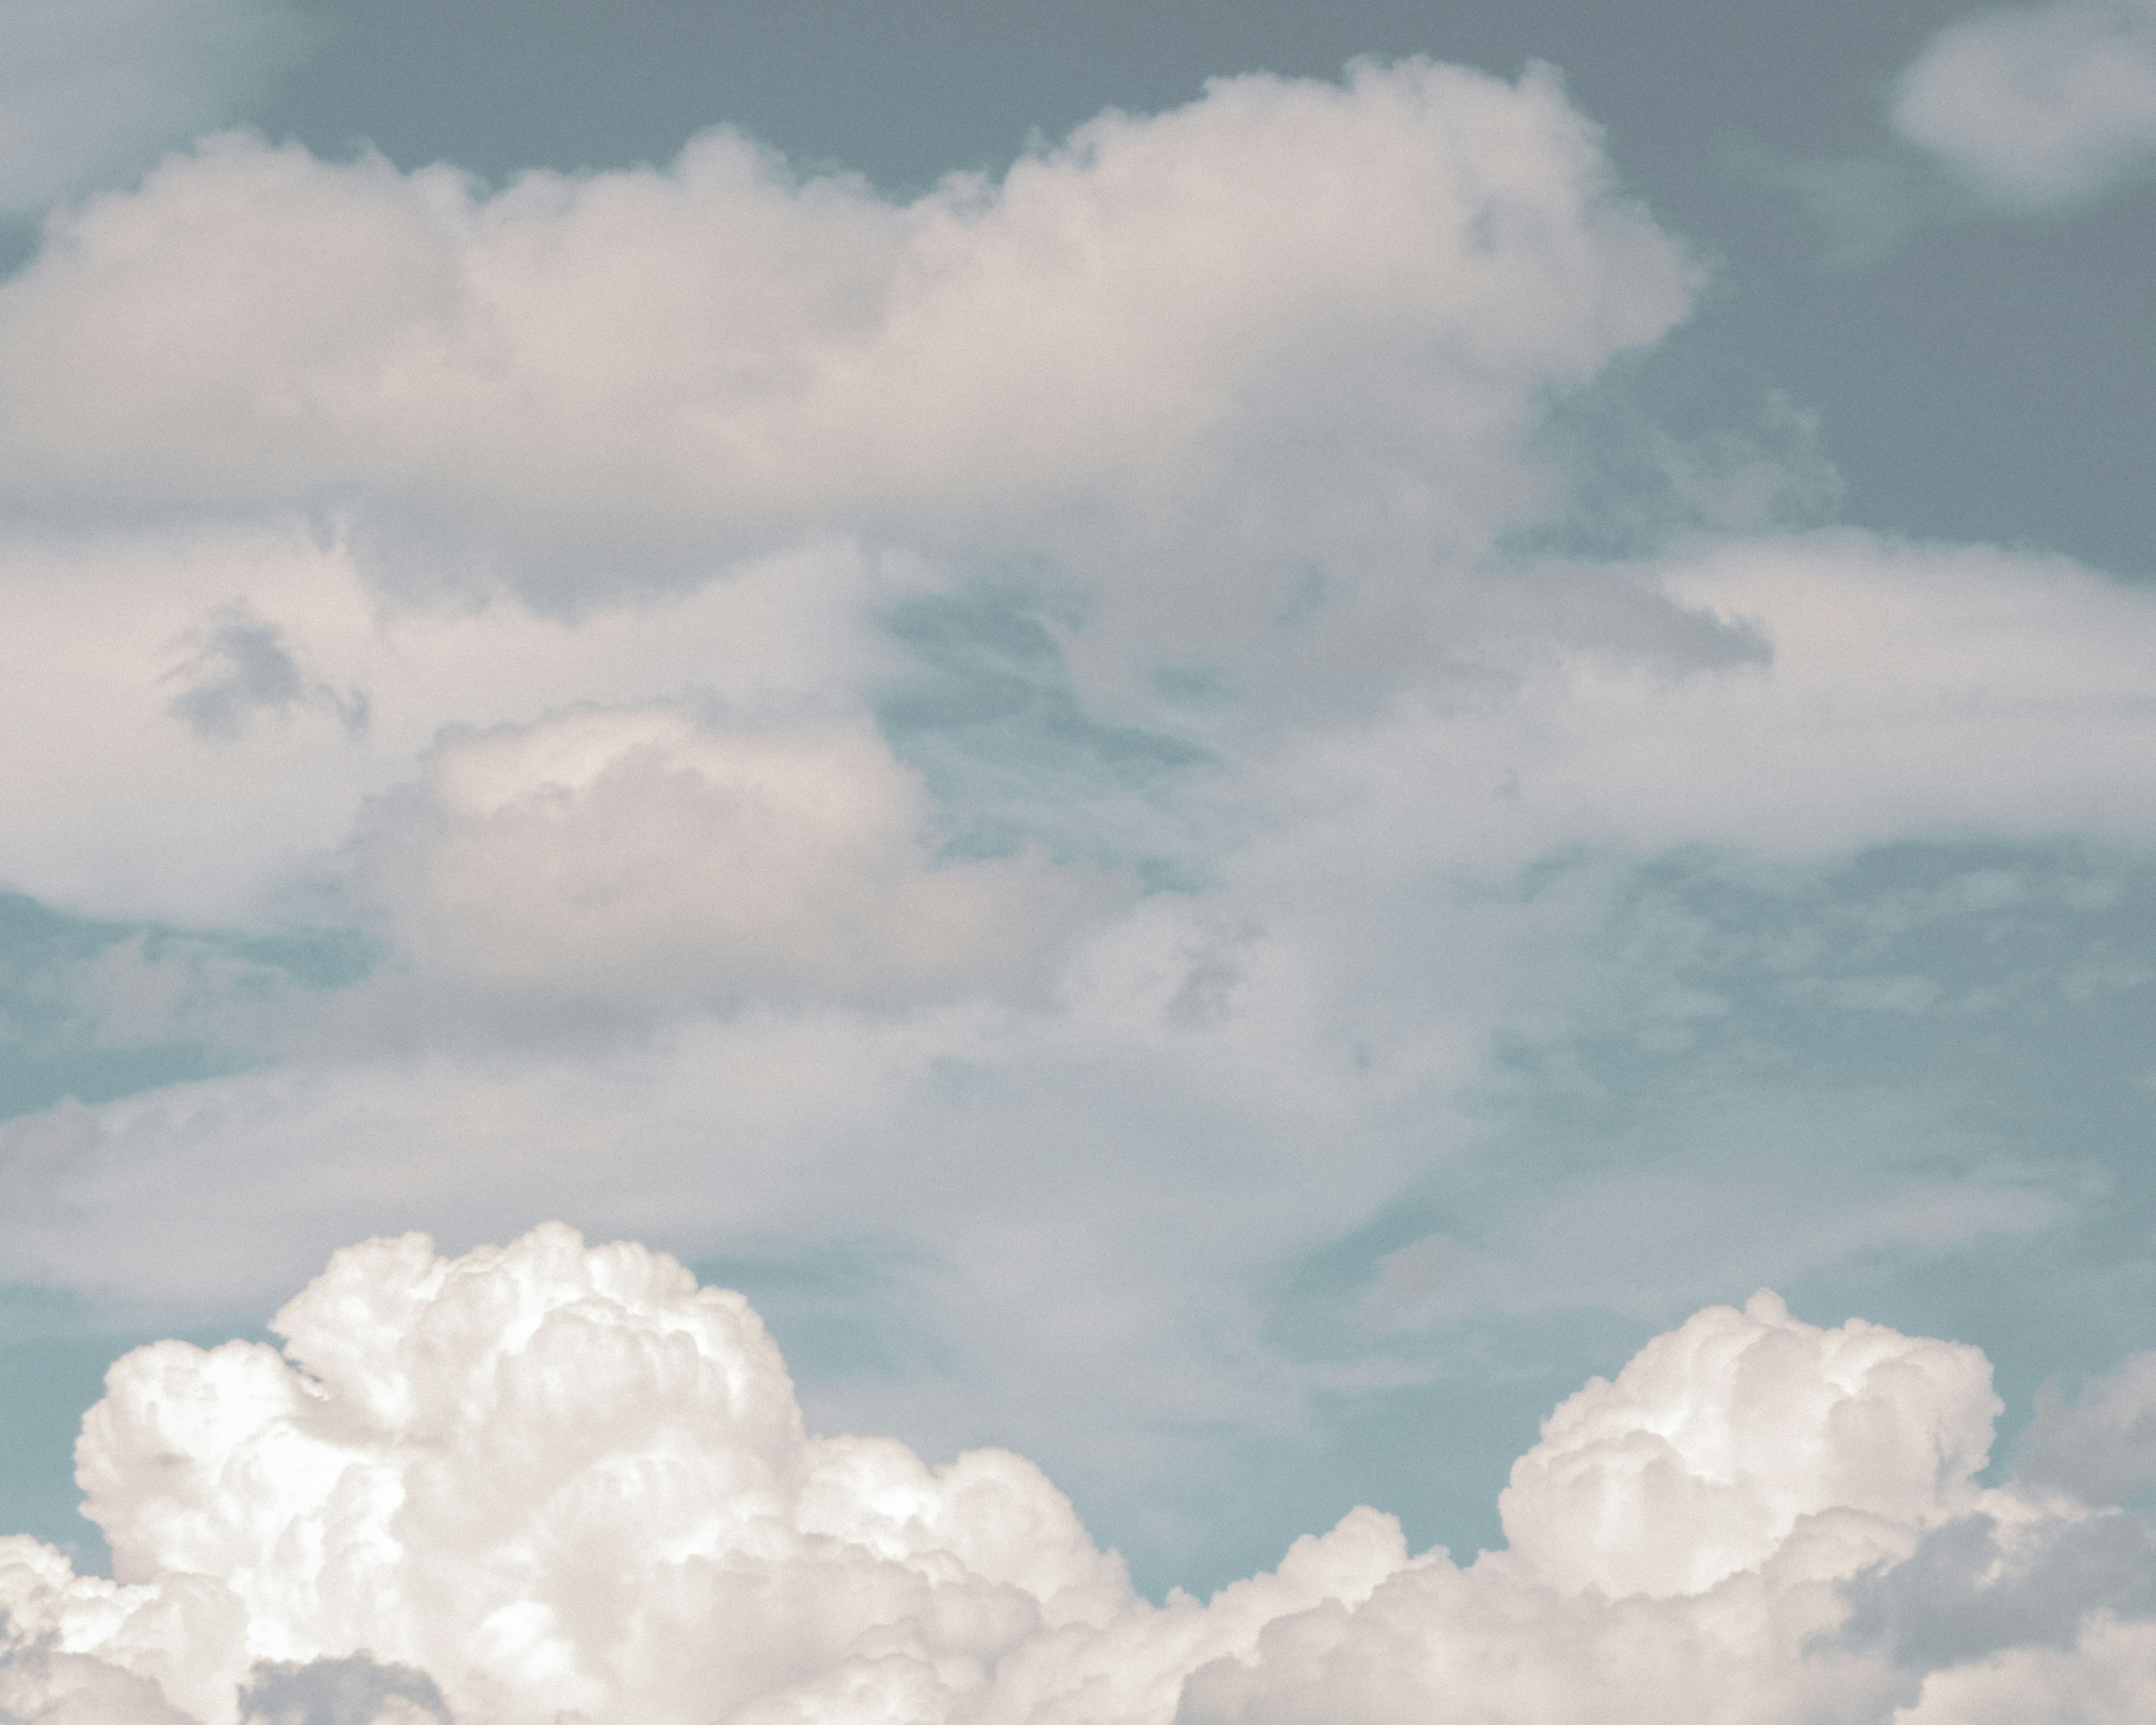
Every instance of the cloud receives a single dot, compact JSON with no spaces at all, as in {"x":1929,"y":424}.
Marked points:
{"x":200,"y":803}
{"x":549,"y":1480}
{"x":2038,"y":107}
{"x":353,"y":1690}
{"x":240,"y":666}
{"x":1378,"y":917}
{"x":1702,"y":1456}
{"x":1289,"y":319}
{"x":553,"y":1479}
{"x":2102,"y":1444}
{"x":643,"y":859}
{"x":1881,"y":676}
{"x":92,"y":90}
{"x":599,"y":497}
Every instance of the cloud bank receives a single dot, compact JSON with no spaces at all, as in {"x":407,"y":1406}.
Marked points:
{"x":548,"y":1482}
{"x":720,"y":342}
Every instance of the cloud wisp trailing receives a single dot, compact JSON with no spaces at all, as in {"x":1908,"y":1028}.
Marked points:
{"x":549,"y":1481}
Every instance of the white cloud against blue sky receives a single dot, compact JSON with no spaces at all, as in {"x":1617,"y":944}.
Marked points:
{"x":1220,"y":800}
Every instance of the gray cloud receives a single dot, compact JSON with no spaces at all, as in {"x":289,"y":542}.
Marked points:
{"x":242,"y":666}
{"x":2101,"y":1446}
{"x":358,"y":1690}
{"x":1967,"y":1592}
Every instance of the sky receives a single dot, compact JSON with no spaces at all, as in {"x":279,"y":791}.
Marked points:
{"x":1157,"y":863}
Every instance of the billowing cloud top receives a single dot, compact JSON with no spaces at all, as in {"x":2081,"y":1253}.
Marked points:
{"x":549,"y":1482}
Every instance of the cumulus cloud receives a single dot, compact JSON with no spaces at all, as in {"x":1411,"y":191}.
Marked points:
{"x":550,"y":1481}
{"x":1290,"y":320}
{"x":1243,"y":389}
{"x":2038,"y":107}
{"x":1702,"y":1457}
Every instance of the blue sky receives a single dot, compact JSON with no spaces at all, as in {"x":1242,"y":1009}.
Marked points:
{"x":1225,"y":739}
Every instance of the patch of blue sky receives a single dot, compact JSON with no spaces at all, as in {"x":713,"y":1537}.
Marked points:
{"x":95,"y":1010}
{"x":987,"y":714}
{"x":1671,"y":443}
{"x":101,"y":1009}
{"x":837,"y":1309}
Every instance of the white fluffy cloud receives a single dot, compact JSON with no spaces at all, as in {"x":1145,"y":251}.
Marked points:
{"x":2038,"y":106}
{"x":507,"y":569}
{"x":722,"y":340}
{"x":1702,"y":1456}
{"x":1192,"y":352}
{"x":547,"y":1482}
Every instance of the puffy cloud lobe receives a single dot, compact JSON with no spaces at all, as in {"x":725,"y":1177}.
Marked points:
{"x":2038,"y":106}
{"x":554,"y":1480}
{"x":550,"y":1481}
{"x":1703,"y":1454}
{"x":640,"y":856}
